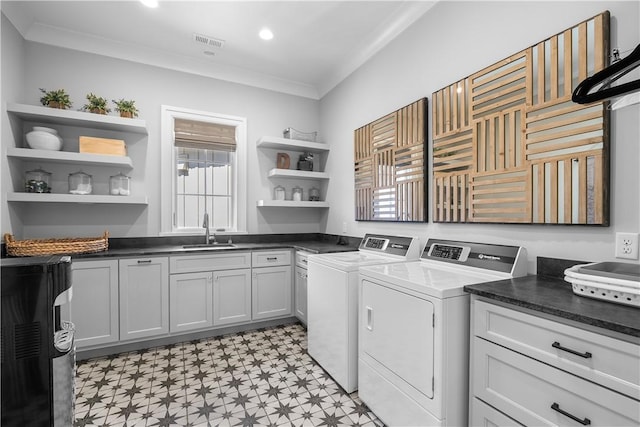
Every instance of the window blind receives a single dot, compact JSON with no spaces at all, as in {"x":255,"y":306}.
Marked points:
{"x":204,"y":135}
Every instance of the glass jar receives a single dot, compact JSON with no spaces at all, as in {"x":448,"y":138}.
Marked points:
{"x":37,"y":181}
{"x":120,"y":185}
{"x":297,"y":194}
{"x":314,"y":194}
{"x":278,"y":193}
{"x":80,"y":183}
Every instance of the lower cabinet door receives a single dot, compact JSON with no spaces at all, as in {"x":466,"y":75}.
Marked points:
{"x":94,"y":304}
{"x":191,"y":301}
{"x":144,"y":297}
{"x":231,"y":296}
{"x":271,"y":292}
{"x":301,"y":294}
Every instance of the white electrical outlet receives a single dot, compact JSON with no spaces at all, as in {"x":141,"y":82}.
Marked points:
{"x":627,"y":245}
{"x":344,"y":227}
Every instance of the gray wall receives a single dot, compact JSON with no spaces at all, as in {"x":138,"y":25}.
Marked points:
{"x":28,"y":66}
{"x":453,"y":40}
{"x":11,"y":83}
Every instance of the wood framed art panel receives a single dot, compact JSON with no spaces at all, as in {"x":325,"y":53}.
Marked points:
{"x":509,"y":145}
{"x":391,"y":167}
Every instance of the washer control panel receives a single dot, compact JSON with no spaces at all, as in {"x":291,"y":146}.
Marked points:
{"x":407,"y":248}
{"x":376,"y":243}
{"x":456,"y":253}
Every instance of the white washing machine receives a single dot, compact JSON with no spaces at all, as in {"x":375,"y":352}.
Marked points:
{"x":414,"y":330}
{"x":332,"y":301}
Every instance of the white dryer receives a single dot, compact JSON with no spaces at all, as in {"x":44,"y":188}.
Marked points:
{"x":414,"y":330}
{"x":332,"y":301}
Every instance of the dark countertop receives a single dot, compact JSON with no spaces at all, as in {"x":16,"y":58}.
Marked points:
{"x":552,"y":295}
{"x":154,"y":250}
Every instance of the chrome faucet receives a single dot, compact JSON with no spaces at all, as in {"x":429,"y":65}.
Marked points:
{"x":205,"y":225}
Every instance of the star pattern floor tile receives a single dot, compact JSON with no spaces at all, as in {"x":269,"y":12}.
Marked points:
{"x":258,"y":378}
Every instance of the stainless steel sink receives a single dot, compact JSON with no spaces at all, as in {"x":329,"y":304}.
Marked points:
{"x":211,"y":246}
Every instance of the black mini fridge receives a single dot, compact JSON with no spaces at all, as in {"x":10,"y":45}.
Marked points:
{"x":38,"y":353}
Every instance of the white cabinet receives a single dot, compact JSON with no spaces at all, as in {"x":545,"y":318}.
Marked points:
{"x":231,"y":296}
{"x":209,"y":290}
{"x":300,"y":286}
{"x":543,"y":371}
{"x":144,"y":297}
{"x":190,"y":301}
{"x":71,"y":124}
{"x":294,"y":148}
{"x":94,"y":305}
{"x":271,"y":292}
{"x":300,"y":292}
{"x":271,"y":288}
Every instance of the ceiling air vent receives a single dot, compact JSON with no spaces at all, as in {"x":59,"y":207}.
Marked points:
{"x":207,"y":41}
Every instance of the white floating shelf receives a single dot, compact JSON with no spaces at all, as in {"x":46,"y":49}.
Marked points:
{"x":291,"y":173}
{"x":57,"y":116}
{"x":69,"y":157}
{"x":291,"y":144}
{"x":290,"y":204}
{"x":76,"y":198}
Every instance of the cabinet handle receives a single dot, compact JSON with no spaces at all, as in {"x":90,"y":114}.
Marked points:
{"x":557,"y":345}
{"x":272,"y":258}
{"x":304,"y":260}
{"x":584,"y":422}
{"x":369,"y":318}
{"x":144,"y":261}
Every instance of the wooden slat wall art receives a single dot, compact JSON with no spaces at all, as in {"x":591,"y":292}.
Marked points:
{"x":509,"y":145}
{"x":390,"y":172}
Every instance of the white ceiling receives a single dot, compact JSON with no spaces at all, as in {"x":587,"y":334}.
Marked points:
{"x":316,"y":45}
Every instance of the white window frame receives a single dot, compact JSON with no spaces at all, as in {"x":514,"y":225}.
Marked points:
{"x":168,"y":175}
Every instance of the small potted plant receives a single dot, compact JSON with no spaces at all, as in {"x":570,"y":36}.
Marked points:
{"x":97,"y":104}
{"x":126,"y":108}
{"x":55,"y":99}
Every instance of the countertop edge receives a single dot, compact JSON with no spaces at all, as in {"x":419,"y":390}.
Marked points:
{"x":168,"y":250}
{"x":527,"y":292}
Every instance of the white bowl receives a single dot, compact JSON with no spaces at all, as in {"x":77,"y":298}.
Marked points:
{"x":41,"y":138}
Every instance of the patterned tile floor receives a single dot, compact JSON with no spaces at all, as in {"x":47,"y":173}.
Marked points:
{"x":259,"y":378}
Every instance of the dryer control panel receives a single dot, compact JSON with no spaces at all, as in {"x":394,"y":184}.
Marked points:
{"x":502,"y":258}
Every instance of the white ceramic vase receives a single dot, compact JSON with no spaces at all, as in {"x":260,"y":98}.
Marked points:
{"x":41,"y":138}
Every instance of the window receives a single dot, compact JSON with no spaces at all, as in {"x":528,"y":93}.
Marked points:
{"x":203,"y":163}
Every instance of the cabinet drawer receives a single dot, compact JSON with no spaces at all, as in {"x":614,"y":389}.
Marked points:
{"x":270,"y":258}
{"x":526,"y":390}
{"x":301,"y":258}
{"x":209,"y":262}
{"x":607,"y":361}
{"x":487,"y":416}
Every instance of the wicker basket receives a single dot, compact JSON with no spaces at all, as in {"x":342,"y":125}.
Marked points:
{"x":56,"y":246}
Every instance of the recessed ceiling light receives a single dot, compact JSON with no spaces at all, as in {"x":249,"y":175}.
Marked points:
{"x":150,"y":3}
{"x":265,"y":34}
